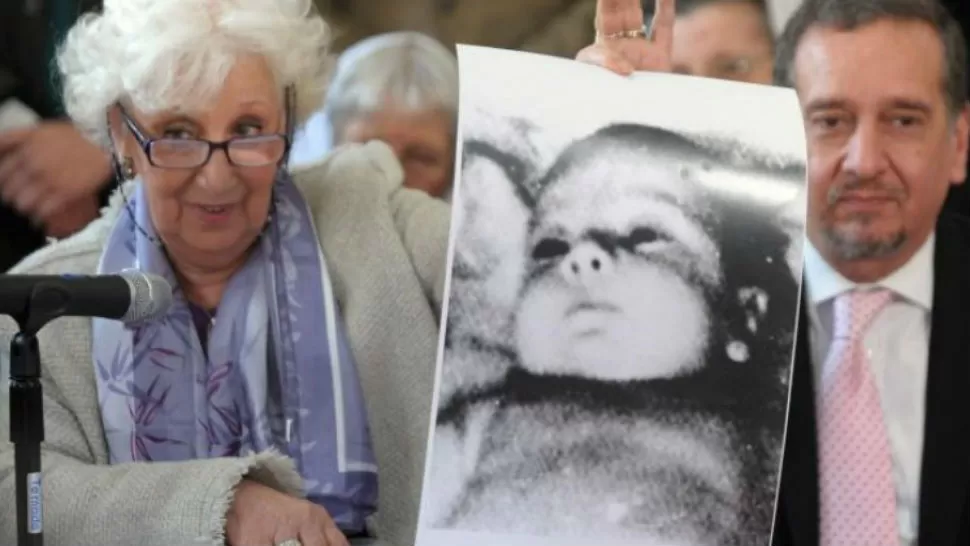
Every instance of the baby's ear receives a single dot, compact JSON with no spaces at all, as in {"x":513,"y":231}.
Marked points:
{"x":492,"y":207}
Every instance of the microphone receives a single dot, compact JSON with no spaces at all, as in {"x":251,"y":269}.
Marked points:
{"x":131,"y":296}
{"x":33,"y":301}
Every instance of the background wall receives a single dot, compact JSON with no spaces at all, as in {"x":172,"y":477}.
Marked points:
{"x":555,"y":27}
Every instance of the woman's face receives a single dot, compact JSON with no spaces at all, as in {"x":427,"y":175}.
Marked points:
{"x":210,"y":215}
{"x":422,"y":141}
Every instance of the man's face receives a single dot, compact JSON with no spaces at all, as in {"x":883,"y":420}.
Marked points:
{"x":725,"y":40}
{"x":882,"y":147}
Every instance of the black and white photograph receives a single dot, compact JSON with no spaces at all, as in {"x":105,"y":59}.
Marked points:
{"x":618,"y":331}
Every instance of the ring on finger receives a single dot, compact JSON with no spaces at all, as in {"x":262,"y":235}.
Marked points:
{"x":642,"y":32}
{"x":291,"y":542}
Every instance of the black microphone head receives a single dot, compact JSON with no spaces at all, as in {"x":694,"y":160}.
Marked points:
{"x":151,"y":296}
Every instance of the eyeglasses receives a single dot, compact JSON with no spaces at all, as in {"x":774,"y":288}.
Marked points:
{"x":191,"y":153}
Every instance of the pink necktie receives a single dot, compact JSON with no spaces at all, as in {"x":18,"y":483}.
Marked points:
{"x":857,"y":495}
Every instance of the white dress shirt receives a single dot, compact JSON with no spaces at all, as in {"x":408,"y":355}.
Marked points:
{"x":898,"y":347}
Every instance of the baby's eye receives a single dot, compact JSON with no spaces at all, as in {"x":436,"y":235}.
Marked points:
{"x":549,"y":248}
{"x":643,"y":235}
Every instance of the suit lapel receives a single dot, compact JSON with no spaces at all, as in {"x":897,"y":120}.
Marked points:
{"x":945,"y":479}
{"x":800,"y":466}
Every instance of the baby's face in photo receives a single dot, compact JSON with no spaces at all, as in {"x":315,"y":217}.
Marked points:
{"x":608,"y":267}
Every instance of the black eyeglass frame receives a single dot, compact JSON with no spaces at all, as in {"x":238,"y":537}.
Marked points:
{"x":146,"y":142}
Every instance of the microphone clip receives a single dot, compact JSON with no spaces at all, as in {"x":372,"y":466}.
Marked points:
{"x":48,"y":301}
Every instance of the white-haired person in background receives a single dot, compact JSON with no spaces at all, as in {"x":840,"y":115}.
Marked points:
{"x":291,"y":379}
{"x":401,"y":88}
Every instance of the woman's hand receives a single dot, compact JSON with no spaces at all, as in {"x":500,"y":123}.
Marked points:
{"x":625,"y":55}
{"x":260,"y":515}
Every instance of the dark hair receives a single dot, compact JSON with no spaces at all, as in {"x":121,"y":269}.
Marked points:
{"x":849,"y":15}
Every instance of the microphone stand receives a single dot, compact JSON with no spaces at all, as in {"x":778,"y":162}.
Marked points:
{"x":27,"y":433}
{"x":47,"y":302}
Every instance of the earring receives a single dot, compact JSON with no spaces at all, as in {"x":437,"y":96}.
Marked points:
{"x":127,"y":168}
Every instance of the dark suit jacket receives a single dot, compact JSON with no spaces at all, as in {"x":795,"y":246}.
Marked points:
{"x":944,"y":518}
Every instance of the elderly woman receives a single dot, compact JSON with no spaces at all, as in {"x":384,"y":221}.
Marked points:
{"x":401,"y":88}
{"x":291,"y":379}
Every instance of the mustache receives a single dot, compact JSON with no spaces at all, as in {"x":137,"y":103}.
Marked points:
{"x":875,"y":187}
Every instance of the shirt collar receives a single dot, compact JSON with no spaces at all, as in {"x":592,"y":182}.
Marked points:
{"x":913,"y":281}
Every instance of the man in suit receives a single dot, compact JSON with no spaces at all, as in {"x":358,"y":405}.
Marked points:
{"x":52,"y":180}
{"x":878,"y":441}
{"x":877,"y":446}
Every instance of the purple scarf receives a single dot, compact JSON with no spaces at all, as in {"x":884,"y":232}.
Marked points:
{"x":278,"y":371}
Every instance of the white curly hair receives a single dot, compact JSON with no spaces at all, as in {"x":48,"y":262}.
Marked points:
{"x":409,"y":69}
{"x":159,"y":54}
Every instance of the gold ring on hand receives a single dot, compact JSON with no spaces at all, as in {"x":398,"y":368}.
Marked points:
{"x":641,"y":32}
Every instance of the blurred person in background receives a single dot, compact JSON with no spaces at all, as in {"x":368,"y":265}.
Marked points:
{"x":401,"y":88}
{"x":725,"y":39}
{"x":52,"y":180}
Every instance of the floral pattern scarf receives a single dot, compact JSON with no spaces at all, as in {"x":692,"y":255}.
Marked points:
{"x":277,"y":372}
